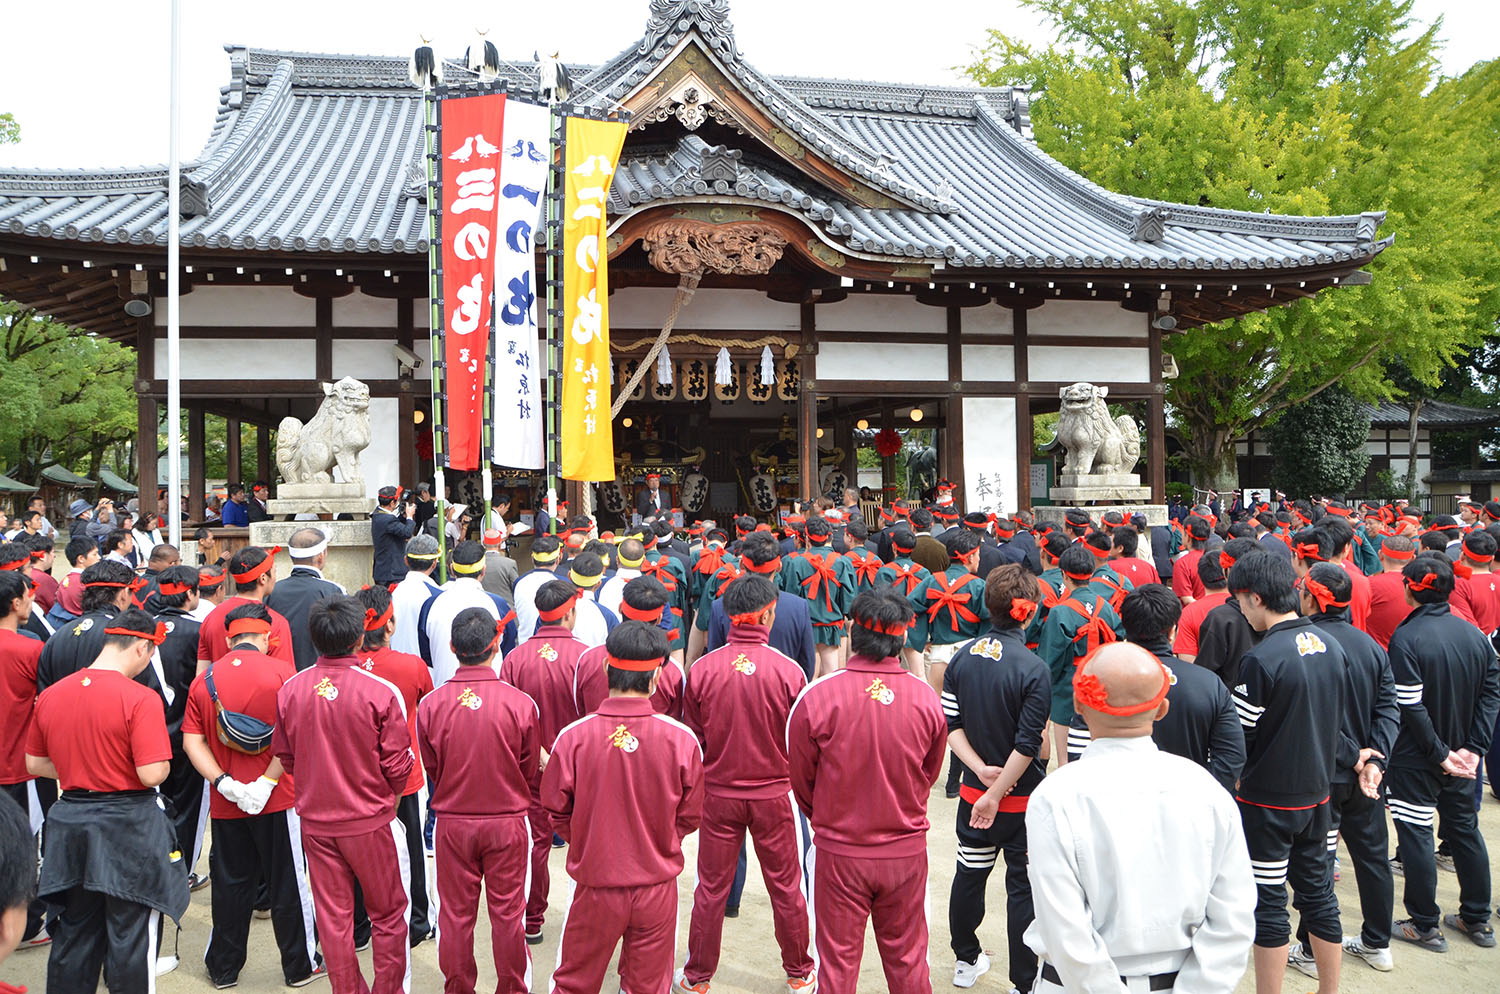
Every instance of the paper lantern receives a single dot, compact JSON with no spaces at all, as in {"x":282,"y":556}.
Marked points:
{"x":788,"y":380}
{"x":694,"y":491}
{"x":693,"y":374}
{"x":729,"y":392}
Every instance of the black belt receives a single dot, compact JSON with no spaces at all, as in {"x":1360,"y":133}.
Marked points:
{"x":1158,"y":981}
{"x":80,"y":794}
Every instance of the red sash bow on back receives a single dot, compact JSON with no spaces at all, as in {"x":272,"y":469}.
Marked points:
{"x":865,"y":567}
{"x":953,"y":597}
{"x":1094,"y":633}
{"x":659,"y":570}
{"x":906,"y":575}
{"x":822,"y":576}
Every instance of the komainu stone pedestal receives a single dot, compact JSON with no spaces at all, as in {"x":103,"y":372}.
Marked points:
{"x":320,"y":498}
{"x":1156,"y":514}
{"x":1073,"y":488}
{"x":350,"y":552}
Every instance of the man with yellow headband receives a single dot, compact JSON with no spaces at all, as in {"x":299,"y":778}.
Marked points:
{"x":546,"y":559}
{"x":465,"y":590}
{"x":1131,"y":836}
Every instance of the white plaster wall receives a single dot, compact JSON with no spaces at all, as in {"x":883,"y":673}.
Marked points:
{"x":243,"y":307}
{"x":990,"y":454}
{"x":358,"y":308}
{"x":364,"y":360}
{"x":1072,"y":365}
{"x":880,"y":362}
{"x":243,"y":358}
{"x":989,"y":363}
{"x":380,"y":462}
{"x":738,"y":310}
{"x":1085,"y":317}
{"x":877,"y":312}
{"x":991,"y":319}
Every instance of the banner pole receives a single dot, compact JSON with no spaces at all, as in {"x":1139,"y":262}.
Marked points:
{"x":432,"y":122}
{"x":554,"y":315}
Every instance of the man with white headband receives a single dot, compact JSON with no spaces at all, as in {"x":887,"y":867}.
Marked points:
{"x":304,"y":587}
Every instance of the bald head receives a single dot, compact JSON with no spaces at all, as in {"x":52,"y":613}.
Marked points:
{"x":1131,"y":678}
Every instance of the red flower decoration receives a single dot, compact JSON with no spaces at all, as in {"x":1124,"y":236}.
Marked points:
{"x":1088,"y":690}
{"x":887,"y":442}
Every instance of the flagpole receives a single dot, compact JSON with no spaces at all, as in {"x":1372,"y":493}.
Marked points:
{"x":174,"y":321}
{"x":435,"y":326}
{"x":557,"y":125}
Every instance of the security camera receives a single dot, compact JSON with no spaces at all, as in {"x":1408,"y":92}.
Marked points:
{"x":408,"y":361}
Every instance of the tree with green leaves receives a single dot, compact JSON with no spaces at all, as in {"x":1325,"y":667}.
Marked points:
{"x":1318,"y":446}
{"x":1291,"y":106}
{"x":10,"y":131}
{"x":66,"y":396}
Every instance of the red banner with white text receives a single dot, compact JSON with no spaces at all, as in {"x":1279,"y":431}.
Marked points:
{"x":471,"y":129}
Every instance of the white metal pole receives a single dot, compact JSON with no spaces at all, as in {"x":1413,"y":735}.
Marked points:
{"x":174,"y":349}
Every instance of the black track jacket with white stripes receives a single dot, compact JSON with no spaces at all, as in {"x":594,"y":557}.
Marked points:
{"x":1447,"y":685}
{"x":1371,"y":717}
{"x":1291,"y":702}
{"x":999,"y":692}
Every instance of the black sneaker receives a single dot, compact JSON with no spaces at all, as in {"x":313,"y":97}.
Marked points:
{"x":197,"y":881}
{"x":534,"y":938}
{"x":732,"y":911}
{"x":951,"y":792}
{"x":1428,"y":938}
{"x":1481,"y":934}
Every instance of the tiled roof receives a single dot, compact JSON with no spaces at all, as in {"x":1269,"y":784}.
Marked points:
{"x":322,"y":154}
{"x":1434,"y":414}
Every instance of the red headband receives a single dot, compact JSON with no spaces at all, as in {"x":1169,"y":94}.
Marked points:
{"x":255,"y":572}
{"x":158,"y":637}
{"x":772,"y":566}
{"x":39,"y":553}
{"x":1089,"y":692}
{"x":902,"y":548}
{"x":1442,"y":528}
{"x":1309,"y":550}
{"x":172,"y":589}
{"x":17,"y":564}
{"x":1428,"y":582}
{"x":134,"y":585}
{"x":1342,"y":512}
{"x":1225,"y":560}
{"x":1324,"y":596}
{"x":247,"y":626}
{"x":1476,"y":557}
{"x":651,"y":617}
{"x":1022,"y":610}
{"x":375,"y":622}
{"x":1080,"y":577}
{"x":559,"y":612}
{"x":897,"y":630}
{"x":750,"y":617}
{"x":209,"y":581}
{"x":632,"y":665}
{"x":1098,"y":553}
{"x":1390,"y":553}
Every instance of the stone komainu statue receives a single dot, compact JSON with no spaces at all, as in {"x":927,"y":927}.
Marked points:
{"x":1095,"y":444}
{"x":336,"y":435}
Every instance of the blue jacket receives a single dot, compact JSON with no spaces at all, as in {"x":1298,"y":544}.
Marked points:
{"x":791,"y":634}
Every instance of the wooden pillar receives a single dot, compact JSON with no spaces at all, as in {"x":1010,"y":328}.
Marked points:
{"x":888,"y":463}
{"x":1156,"y":420}
{"x":1022,"y":364}
{"x":232,"y":448}
{"x":263,"y":454}
{"x":406,"y":429}
{"x":807,"y":408}
{"x":146,"y":423}
{"x":324,"y":354}
{"x":196,"y":477}
{"x":953,"y":408}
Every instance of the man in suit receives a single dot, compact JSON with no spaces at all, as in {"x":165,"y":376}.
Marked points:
{"x":259,"y":494}
{"x":651,"y":502}
{"x":304,"y":587}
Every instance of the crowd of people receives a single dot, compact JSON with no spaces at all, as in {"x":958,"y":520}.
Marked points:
{"x":1158,"y":727}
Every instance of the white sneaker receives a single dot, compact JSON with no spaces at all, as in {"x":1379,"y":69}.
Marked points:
{"x":965,"y":974}
{"x":165,"y":965}
{"x":1300,"y":958}
{"x":1380,"y":959}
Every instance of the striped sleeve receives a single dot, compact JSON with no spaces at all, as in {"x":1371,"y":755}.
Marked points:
{"x":1249,"y":713}
{"x":1408,"y":694}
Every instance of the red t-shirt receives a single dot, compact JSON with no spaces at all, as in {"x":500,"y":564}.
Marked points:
{"x":1185,"y":579}
{"x":213,"y":643}
{"x":247,"y":682}
{"x":97,"y":726}
{"x":70,"y":592}
{"x":413,"y":679}
{"x":45,"y":591}
{"x":1137,"y":571}
{"x":1186,"y":643}
{"x":18,"y":656}
{"x":1388,"y":607}
{"x":1359,"y":596}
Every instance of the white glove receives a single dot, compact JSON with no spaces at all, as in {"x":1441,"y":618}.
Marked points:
{"x":232,"y":789}
{"x":253,"y":796}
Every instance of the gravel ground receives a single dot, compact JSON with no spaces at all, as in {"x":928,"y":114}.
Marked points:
{"x":751,"y":964}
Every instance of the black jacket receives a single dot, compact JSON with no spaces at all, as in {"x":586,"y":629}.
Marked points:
{"x":1223,"y":639}
{"x":388,"y":534}
{"x":76,"y":645}
{"x":117,"y":844}
{"x":1026,"y":543}
{"x":999,"y":692}
{"x":1446,"y":683}
{"x":1371,"y":714}
{"x":179,"y":665}
{"x":292,"y":598}
{"x":644,"y":506}
{"x":1290,"y":698}
{"x":1161,"y":552}
{"x":1201,"y":723}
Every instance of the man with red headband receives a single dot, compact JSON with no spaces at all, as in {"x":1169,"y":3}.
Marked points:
{"x":1213,"y":571}
{"x":18,"y":659}
{"x":110,"y":866}
{"x":410,"y":675}
{"x":1077,"y":625}
{"x":1290,"y":698}
{"x":1341,"y":536}
{"x":211,"y":592}
{"x":996,"y":697}
{"x":253,"y":571}
{"x":1449,"y":691}
{"x":1131,"y":835}
{"x":543,"y":668}
{"x":479,"y":743}
{"x":1476,"y":589}
{"x":865,"y":746}
{"x":392,"y":524}
{"x":342,"y":732}
{"x":650,"y":502}
{"x":256,"y":835}
{"x":625,"y":842}
{"x":791,"y":631}
{"x":826,"y":581}
{"x":107,"y":588}
{"x":1388,"y":607}
{"x":645,"y":601}
{"x":737,"y":700}
{"x":1185,"y":582}
{"x":1370,"y":721}
{"x":904,"y":575}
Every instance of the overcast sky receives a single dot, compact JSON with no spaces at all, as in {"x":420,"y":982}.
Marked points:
{"x":87,"y":79}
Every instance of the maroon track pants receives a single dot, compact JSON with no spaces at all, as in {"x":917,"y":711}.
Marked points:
{"x":847,"y":892}
{"x":378,"y":860}
{"x":773,"y":828}
{"x":540,"y":887}
{"x":598,"y":919}
{"x":466,"y":853}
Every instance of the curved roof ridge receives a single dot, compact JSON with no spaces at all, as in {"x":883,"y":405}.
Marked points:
{"x":238,"y":145}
